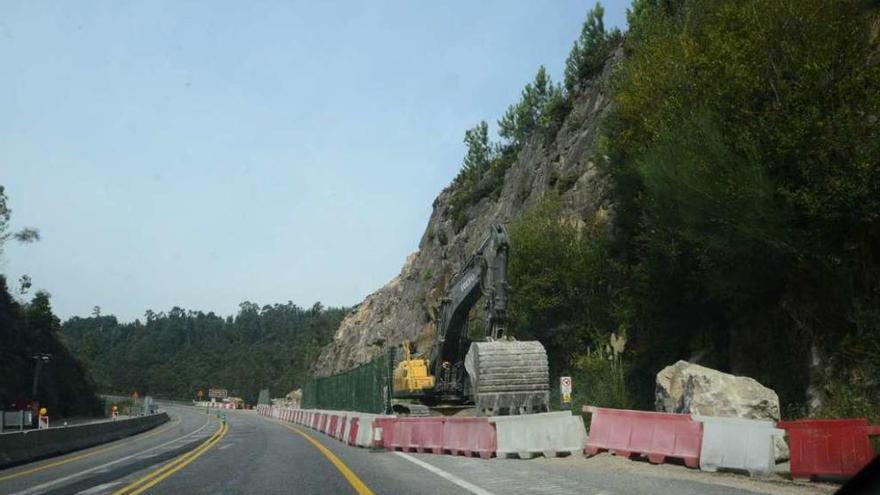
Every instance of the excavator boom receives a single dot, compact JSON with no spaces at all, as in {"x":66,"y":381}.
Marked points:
{"x":499,"y":375}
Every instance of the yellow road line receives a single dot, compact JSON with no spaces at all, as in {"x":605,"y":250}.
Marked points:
{"x":181,"y":465}
{"x":88,"y":454}
{"x":157,"y":475}
{"x":352,"y":478}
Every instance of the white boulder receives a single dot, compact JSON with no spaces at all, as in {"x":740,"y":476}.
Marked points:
{"x":693,"y":389}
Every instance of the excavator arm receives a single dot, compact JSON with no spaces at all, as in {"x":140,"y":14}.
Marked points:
{"x":485,"y":273}
{"x":501,"y":375}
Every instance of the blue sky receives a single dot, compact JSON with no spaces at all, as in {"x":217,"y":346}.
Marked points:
{"x":200,"y":154}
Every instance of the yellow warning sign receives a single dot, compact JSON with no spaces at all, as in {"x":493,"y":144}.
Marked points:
{"x":566,"y":397}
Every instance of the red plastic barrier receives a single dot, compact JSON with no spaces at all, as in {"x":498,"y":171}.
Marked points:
{"x":653,"y":435}
{"x":829,"y":447}
{"x":468,"y":436}
{"x":387,"y":437}
{"x":458,"y":436}
{"x":353,"y":431}
{"x":414,"y":434}
{"x":332,"y":425}
{"x":322,"y":423}
{"x":316,"y":419}
{"x":340,"y":429}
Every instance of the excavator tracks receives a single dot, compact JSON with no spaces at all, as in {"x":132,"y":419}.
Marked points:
{"x":509,"y":377}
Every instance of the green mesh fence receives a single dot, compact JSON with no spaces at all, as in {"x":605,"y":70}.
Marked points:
{"x":361,"y":389}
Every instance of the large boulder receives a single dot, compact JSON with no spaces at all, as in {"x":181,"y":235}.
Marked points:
{"x":693,"y":389}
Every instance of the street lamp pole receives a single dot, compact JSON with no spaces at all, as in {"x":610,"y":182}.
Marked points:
{"x":40,"y":358}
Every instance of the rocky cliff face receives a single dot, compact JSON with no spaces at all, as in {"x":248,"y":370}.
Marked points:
{"x":403,"y":308}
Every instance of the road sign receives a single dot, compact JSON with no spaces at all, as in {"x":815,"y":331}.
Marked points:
{"x":565,"y":385}
{"x":217,"y":393}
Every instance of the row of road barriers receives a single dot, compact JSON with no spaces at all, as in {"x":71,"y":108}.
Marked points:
{"x":214,"y":405}
{"x":352,"y":428}
{"x":829,"y":448}
{"x":836,"y":448}
{"x":548,"y":434}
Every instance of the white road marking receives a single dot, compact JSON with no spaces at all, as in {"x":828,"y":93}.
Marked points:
{"x":225,"y":446}
{"x":99,"y":488}
{"x":448,"y":476}
{"x":44,"y":486}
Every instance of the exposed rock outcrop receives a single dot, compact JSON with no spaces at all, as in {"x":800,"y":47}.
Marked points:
{"x":693,"y":389}
{"x":402,"y":309}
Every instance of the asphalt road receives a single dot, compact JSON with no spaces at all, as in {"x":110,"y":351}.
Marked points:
{"x":252,"y":454}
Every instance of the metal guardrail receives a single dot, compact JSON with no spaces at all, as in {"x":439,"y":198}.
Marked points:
{"x":15,"y":420}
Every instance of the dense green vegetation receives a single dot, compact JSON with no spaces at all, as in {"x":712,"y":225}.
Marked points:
{"x":743,"y":154}
{"x":748,"y":185}
{"x":175,"y":354}
{"x":28,"y":328}
{"x":65,"y":387}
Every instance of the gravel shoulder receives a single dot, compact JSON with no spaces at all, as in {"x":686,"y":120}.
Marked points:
{"x":777,"y":484}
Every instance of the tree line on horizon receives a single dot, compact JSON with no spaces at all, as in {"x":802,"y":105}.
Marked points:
{"x":175,"y":354}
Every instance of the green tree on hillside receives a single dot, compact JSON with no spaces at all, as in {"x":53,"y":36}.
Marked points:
{"x":479,"y":154}
{"x":26,"y":234}
{"x":590,"y":50}
{"x":522,"y":117}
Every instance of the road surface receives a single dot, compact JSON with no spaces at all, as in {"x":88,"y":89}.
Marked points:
{"x":196,"y":453}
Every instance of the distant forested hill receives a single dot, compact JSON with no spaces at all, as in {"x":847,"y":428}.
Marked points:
{"x":65,"y":387}
{"x":175,"y":354}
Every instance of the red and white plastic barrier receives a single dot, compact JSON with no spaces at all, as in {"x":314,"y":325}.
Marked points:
{"x":829,"y":447}
{"x":215,"y":405}
{"x":653,"y":435}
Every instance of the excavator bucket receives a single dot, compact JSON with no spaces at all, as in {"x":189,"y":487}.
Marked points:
{"x":509,"y":377}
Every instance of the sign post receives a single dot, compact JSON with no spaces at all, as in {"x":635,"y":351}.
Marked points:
{"x":217,"y":393}
{"x":565,"y":390}
{"x":43,"y":419}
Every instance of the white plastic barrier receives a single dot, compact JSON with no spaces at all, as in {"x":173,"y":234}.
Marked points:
{"x":737,"y":443}
{"x":549,"y":434}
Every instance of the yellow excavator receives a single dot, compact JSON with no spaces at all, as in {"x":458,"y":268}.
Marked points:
{"x":496,"y":374}
{"x":411,"y":374}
